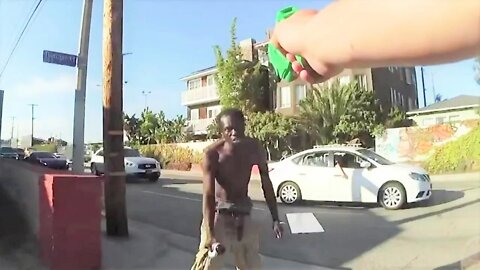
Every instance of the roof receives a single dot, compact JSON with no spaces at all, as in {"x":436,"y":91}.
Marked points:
{"x":459,"y":102}
{"x":199,"y":73}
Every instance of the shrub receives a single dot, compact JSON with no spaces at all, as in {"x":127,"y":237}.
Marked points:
{"x":51,"y":147}
{"x":460,"y":155}
{"x":171,"y":156}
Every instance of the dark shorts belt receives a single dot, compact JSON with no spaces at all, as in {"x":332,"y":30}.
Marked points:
{"x":232,"y":213}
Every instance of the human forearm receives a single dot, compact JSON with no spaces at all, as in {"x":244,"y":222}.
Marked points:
{"x":269,"y":195}
{"x":209,"y":213}
{"x":379,"y":33}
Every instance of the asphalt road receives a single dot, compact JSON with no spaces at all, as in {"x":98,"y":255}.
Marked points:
{"x":433,"y":235}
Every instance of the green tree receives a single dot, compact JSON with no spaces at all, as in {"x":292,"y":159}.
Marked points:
{"x":241,"y":84}
{"x":131,"y":125}
{"x":341,"y":112}
{"x":272,"y":129}
{"x":322,"y":109}
{"x":154,"y":128}
{"x":362,"y":119}
{"x":397,"y":118}
{"x":213,"y":131}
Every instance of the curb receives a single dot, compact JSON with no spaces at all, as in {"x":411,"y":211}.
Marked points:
{"x":466,"y":177}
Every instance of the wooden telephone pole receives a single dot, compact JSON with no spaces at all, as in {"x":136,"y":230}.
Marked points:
{"x":115,"y":205}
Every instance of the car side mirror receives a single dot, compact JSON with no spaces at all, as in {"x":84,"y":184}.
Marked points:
{"x":365,"y":164}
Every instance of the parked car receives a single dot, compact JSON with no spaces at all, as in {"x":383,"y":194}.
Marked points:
{"x":48,"y":160}
{"x":20,"y":152}
{"x":135,"y":164}
{"x":62,"y":156}
{"x":370,"y":178}
{"x":8,"y":152}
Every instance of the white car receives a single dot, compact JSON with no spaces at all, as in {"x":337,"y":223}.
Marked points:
{"x":135,"y":164}
{"x":367,"y":178}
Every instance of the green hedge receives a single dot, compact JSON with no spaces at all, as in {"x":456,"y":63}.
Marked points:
{"x":171,"y":156}
{"x":457,"y":156}
{"x":52,"y":148}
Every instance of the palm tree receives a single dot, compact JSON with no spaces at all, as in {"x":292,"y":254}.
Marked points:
{"x":323,"y":108}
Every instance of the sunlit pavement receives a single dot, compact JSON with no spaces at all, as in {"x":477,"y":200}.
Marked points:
{"x":439,"y":233}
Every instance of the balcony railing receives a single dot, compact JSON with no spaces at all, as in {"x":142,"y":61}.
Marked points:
{"x":200,"y":95}
{"x":199,"y":126}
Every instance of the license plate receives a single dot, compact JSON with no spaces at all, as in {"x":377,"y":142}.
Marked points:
{"x":148,"y":171}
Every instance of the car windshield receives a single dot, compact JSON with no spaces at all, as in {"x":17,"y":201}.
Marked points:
{"x":6,"y":150}
{"x":131,"y":152}
{"x":374,"y":156}
{"x":44,"y":155}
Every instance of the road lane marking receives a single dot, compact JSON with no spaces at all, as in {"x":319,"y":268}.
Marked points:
{"x":304,"y":223}
{"x":185,"y":198}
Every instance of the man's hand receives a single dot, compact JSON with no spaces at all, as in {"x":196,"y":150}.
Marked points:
{"x":278,"y":229}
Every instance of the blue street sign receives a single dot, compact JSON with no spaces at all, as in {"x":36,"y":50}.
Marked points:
{"x":60,"y":58}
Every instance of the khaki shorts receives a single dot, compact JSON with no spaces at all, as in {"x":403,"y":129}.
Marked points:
{"x":245,"y":252}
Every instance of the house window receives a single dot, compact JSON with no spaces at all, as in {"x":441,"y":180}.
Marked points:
{"x":196,"y":83}
{"x":194,"y":114}
{"x":285,"y":97}
{"x":392,"y":96}
{"x":408,"y":76}
{"x":361,"y":80}
{"x":210,"y":80}
{"x":300,"y":92}
{"x":213,"y":111}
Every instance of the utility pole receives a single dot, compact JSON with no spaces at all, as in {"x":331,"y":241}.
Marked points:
{"x":80,"y":92}
{"x":33,"y":118}
{"x":424,"y":90}
{"x":115,"y":205}
{"x":145,"y":94}
{"x":11,"y":135}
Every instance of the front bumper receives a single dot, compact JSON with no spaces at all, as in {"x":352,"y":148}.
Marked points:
{"x":419,"y":191}
{"x":143,"y":173}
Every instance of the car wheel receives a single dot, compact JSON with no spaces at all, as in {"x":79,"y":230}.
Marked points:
{"x":290,"y":193}
{"x":392,"y":196}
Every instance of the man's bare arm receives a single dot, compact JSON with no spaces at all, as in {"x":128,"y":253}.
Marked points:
{"x":267,"y":186}
{"x":210,"y":165}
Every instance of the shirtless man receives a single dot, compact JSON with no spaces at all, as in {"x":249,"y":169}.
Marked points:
{"x":226,"y":206}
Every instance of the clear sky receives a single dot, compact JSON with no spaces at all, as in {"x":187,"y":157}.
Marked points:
{"x":168,"y":39}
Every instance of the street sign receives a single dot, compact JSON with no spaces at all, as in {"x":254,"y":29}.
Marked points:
{"x":60,"y":58}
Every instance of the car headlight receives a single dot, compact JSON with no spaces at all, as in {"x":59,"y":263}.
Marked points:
{"x":418,"y":177}
{"x":43,"y":163}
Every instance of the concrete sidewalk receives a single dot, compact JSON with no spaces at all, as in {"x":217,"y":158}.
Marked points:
{"x":18,"y":247}
{"x":150,"y":247}
{"x":471,"y":176}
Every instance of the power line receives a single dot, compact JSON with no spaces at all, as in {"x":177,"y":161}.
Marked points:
{"x":19,"y":38}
